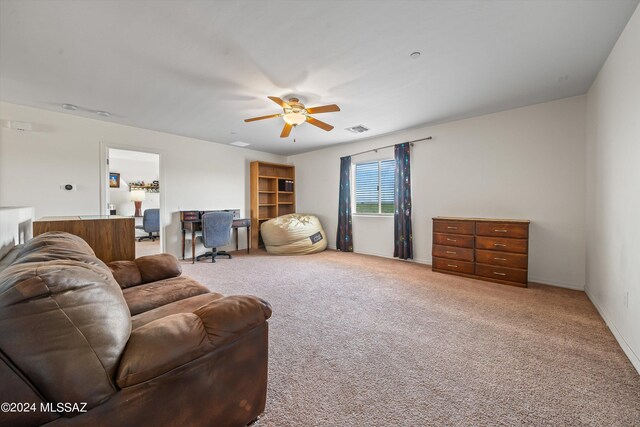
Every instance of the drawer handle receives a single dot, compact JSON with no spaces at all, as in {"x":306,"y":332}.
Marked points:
{"x":452,"y":265}
{"x":451,"y":240}
{"x":499,"y":274}
{"x":452,"y":252}
{"x":501,"y":231}
{"x":500,"y":259}
{"x":500,"y":244}
{"x":452,"y":228}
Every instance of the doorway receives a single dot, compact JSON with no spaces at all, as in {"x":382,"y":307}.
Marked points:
{"x":133,"y":189}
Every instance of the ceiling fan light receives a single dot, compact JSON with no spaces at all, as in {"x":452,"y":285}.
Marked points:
{"x":294,"y":118}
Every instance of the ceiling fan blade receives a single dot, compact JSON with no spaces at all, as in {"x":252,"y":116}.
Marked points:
{"x":286,"y":130}
{"x":279,"y":101}
{"x":262,"y":118}
{"x":318,"y":123}
{"x":324,"y":109}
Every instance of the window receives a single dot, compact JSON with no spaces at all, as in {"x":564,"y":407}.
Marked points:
{"x":374,"y":187}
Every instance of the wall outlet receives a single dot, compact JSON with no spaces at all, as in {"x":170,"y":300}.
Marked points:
{"x":68,"y":187}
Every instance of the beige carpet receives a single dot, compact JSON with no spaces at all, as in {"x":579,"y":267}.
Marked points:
{"x":147,"y":247}
{"x":366,"y":341}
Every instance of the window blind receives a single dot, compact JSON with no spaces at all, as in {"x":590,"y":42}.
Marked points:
{"x":374,"y":189}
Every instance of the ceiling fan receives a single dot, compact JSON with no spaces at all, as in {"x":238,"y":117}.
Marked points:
{"x":295,"y":113}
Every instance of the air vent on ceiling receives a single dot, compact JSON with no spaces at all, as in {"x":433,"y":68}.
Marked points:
{"x":357,"y":129}
{"x":240,"y":143}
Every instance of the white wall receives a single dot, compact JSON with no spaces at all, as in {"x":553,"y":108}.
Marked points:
{"x":15,"y":227}
{"x":522,"y":163}
{"x":64,"y":148}
{"x":613,"y":190}
{"x":133,"y":170}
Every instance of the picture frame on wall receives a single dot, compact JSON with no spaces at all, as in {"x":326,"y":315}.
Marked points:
{"x":114,"y":180}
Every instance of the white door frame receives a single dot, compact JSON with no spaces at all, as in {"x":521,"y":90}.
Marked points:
{"x":104,"y":180}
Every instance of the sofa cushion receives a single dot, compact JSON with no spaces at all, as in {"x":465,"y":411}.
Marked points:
{"x":64,"y":324}
{"x":158,"y":267}
{"x":188,"y":305}
{"x":10,"y":257}
{"x":126,"y":273}
{"x":59,"y":240}
{"x":57,"y":245}
{"x":152,"y":295}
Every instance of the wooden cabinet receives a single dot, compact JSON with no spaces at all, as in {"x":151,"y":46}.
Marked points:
{"x":272,"y":194}
{"x":487,"y":249}
{"x":112,"y":238}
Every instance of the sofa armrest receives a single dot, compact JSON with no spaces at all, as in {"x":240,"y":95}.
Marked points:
{"x":167,"y":343}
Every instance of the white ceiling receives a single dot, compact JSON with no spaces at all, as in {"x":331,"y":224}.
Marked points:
{"x":198,"y":68}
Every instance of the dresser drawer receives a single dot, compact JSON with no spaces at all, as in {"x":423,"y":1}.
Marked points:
{"x":504,"y":259}
{"x":452,"y":252}
{"x":502,"y":244}
{"x":502,"y":273}
{"x":453,"y":227}
{"x":503,"y":229}
{"x":453,"y":240}
{"x":453,"y":265}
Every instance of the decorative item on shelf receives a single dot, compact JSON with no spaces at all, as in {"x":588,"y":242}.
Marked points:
{"x":141,"y":185}
{"x":138,"y":196}
{"x":114,"y":180}
{"x":285,"y":185}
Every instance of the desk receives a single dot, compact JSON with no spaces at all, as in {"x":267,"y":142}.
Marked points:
{"x":192,"y":221}
{"x":112,"y":238}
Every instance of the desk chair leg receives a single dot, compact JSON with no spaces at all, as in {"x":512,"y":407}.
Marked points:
{"x":213,"y":254}
{"x":224,"y":253}
{"x":150,"y":237}
{"x":204,"y":255}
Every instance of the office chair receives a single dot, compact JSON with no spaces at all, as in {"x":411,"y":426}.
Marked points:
{"x":150,"y":224}
{"x":216,"y":232}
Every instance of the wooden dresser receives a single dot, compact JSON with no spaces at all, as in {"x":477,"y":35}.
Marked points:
{"x":482,"y":248}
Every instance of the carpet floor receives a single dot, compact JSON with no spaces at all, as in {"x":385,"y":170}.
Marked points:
{"x":147,"y":247}
{"x":357,"y":340}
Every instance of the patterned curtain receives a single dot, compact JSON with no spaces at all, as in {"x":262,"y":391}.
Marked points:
{"x":402,"y":216}
{"x":344,"y":238}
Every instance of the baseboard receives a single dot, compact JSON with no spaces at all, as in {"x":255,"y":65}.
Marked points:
{"x":626,"y":348}
{"x":416,"y":260}
{"x":556,"y":284}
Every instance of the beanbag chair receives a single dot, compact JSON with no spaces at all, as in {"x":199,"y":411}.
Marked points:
{"x":293,"y":234}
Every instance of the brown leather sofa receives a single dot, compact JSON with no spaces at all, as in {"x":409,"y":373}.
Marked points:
{"x":129,"y":344}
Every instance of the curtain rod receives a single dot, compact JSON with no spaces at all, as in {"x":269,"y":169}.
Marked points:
{"x":392,"y":145}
